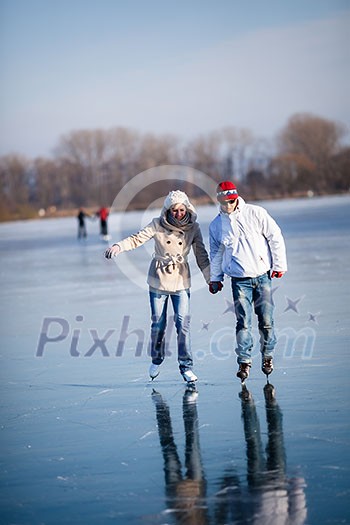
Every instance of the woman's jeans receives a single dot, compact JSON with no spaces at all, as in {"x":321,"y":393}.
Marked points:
{"x":247,"y":293}
{"x":181,"y":305}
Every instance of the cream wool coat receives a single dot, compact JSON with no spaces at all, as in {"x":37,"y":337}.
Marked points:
{"x":169,"y":270}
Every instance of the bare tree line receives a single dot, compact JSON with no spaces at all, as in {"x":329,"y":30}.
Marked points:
{"x":89,"y":167}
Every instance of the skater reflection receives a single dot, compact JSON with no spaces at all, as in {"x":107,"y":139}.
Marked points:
{"x":185,"y":494}
{"x":270,"y":498}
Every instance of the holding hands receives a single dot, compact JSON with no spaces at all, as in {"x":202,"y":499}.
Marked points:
{"x":215,"y":286}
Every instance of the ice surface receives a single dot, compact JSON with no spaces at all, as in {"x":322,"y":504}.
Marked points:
{"x":86,"y":439}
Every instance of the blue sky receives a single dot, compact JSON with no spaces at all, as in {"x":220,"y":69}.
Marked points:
{"x":184,"y":67}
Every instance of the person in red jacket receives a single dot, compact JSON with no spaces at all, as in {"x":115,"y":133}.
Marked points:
{"x":103,"y":215}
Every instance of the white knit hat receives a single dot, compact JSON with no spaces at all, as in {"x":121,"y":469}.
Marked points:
{"x":176,"y":197}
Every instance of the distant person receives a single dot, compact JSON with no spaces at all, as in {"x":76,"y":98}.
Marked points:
{"x":175,"y":232}
{"x":247,"y":245}
{"x":103,"y":215}
{"x":81,"y":223}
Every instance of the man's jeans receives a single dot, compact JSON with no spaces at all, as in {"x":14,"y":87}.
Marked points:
{"x":181,"y":305}
{"x":248,"y":293}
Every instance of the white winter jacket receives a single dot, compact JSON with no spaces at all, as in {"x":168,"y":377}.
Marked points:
{"x":245,"y":243}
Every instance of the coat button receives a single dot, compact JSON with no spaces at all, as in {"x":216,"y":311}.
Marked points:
{"x":180,"y":243}
{"x":168,"y":242}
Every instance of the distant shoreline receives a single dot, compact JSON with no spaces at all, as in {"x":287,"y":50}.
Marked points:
{"x":53,"y":212}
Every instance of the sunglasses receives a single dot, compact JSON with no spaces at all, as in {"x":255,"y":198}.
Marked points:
{"x":229,"y":202}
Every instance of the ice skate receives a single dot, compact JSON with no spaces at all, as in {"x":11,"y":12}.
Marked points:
{"x":154,"y":371}
{"x":243,"y":371}
{"x":267,"y":366}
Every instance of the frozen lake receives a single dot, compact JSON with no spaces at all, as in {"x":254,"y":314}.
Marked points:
{"x":86,"y":439}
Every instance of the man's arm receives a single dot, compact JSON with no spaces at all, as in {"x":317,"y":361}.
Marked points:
{"x":201,"y":255}
{"x":274,"y":237}
{"x":216,"y":253}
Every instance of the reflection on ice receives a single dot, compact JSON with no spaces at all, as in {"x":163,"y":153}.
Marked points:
{"x":269,"y":497}
{"x":273,"y":498}
{"x":185,"y":494}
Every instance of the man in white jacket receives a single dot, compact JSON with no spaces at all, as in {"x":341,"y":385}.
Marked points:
{"x":247,"y":245}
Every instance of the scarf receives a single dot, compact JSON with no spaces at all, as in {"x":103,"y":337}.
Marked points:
{"x":178,"y":223}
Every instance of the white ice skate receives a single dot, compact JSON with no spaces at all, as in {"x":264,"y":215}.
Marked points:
{"x":154,"y":371}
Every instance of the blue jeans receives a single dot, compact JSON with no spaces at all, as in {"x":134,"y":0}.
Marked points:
{"x":248,"y":292}
{"x":181,"y":306}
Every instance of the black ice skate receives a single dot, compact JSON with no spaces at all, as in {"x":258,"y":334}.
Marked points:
{"x":243,"y":371}
{"x":267,"y":366}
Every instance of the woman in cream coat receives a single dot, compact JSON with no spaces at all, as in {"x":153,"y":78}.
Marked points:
{"x":174,"y":233}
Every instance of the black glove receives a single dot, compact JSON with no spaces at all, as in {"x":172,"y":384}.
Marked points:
{"x":112,"y":252}
{"x":215,"y":286}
